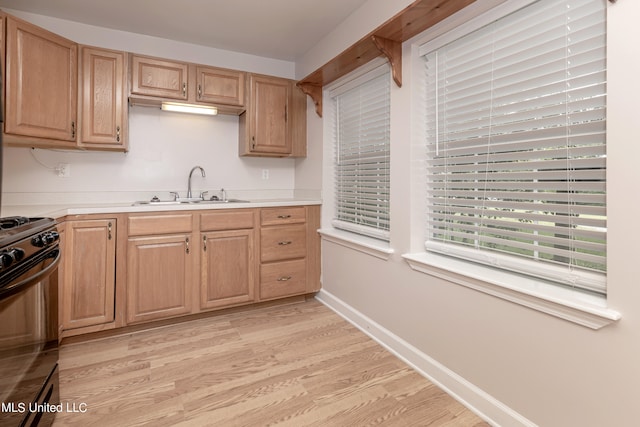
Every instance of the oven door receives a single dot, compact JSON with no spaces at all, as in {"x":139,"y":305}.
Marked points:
{"x":29,"y":345}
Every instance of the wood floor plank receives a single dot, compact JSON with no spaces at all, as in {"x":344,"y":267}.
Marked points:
{"x":290,"y":365}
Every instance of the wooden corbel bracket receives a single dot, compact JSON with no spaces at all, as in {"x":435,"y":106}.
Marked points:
{"x":385,"y":40}
{"x":393,"y":51}
{"x":315,"y":92}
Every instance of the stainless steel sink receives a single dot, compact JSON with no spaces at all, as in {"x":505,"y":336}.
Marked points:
{"x":207,"y":202}
{"x":186,"y":202}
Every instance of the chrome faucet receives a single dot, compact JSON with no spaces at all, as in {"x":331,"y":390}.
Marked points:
{"x":189,"y":196}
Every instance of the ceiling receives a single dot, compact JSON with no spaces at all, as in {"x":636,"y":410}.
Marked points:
{"x":280,"y":29}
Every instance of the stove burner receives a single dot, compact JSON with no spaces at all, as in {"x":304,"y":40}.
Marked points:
{"x":15,"y":228}
{"x":12,"y":222}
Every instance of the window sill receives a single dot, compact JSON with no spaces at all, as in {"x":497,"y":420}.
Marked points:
{"x":367,"y":245}
{"x":581,"y":308}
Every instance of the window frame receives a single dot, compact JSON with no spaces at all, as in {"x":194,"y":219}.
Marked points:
{"x":371,"y":245}
{"x":579,"y":307}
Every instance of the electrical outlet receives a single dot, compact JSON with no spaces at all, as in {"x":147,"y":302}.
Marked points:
{"x":265,"y":173}
{"x":64,"y":170}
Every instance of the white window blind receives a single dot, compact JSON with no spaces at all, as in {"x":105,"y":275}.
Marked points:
{"x":361,"y":166}
{"x":516,"y":143}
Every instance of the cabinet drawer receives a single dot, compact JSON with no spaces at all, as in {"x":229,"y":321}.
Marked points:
{"x":277,"y":216}
{"x":283,"y":278}
{"x":285,"y":242}
{"x":160,"y":224}
{"x":227,"y":220}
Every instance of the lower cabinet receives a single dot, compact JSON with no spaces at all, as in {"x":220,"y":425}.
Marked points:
{"x":289,"y":251}
{"x":88,"y":276}
{"x":159,"y":267}
{"x":227,"y":268}
{"x":281,"y":279}
{"x":227,"y":258}
{"x":159,"y":276}
{"x":171,"y":264}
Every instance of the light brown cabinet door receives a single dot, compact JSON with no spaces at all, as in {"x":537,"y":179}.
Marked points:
{"x":219,"y":86}
{"x":227,"y":268}
{"x":269,"y":112}
{"x":157,"y":77}
{"x":103,"y":100}
{"x":42,"y":83}
{"x":88,"y":284}
{"x":159,"y":277}
{"x":275,"y":121}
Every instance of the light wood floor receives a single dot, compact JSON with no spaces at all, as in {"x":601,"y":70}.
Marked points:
{"x":291,"y":365}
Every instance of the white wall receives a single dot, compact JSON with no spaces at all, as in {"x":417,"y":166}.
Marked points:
{"x":544,"y":370}
{"x":163,"y":146}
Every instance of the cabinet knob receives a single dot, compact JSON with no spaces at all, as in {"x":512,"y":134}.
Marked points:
{"x":284,"y":216}
{"x":284,"y":278}
{"x":284,"y":243}
{"x":118,"y":133}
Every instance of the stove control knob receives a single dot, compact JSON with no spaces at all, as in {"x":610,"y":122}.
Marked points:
{"x":45,"y":239}
{"x":18,"y":254}
{"x":38,"y":242}
{"x":50,"y":237}
{"x":8,"y":258}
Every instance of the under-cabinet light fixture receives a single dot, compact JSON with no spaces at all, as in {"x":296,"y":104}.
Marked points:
{"x":189,"y":108}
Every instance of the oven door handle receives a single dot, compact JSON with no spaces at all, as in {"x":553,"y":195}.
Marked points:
{"x":54,"y":253}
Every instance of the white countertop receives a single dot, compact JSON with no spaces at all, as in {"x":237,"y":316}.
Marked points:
{"x":58,"y":211}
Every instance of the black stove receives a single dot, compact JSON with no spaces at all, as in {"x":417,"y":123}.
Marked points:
{"x":24,"y":242}
{"x":29,"y":256}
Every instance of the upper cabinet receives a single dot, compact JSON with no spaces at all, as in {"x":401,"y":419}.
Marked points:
{"x":274,"y":123}
{"x":154,"y":80}
{"x":103,"y":99}
{"x":158,"y":77}
{"x":219,"y":86}
{"x":60,"y":95}
{"x":41,"y":87}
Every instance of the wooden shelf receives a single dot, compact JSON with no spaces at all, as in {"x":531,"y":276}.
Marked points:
{"x":385,"y":40}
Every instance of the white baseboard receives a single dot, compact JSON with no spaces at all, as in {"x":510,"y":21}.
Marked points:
{"x":485,"y":406}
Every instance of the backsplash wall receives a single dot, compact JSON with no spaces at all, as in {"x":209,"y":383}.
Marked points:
{"x":163,"y":148}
